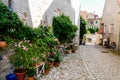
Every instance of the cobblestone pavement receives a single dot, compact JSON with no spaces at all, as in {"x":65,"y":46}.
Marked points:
{"x":71,"y":68}
{"x":102,"y":66}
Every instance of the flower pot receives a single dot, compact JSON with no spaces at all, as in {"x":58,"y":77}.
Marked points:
{"x":11,"y":77}
{"x":68,"y":51}
{"x":30,"y":78}
{"x":47,"y":71}
{"x":20,"y":73}
{"x":3,"y":44}
{"x":51,"y":54}
{"x":51,"y":64}
{"x":56,"y":64}
{"x":73,"y":50}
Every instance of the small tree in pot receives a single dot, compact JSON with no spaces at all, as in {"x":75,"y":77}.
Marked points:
{"x":31,"y":73}
{"x":57,"y":58}
{"x":47,"y":68}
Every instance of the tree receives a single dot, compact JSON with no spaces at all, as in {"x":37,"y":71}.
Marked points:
{"x":63,"y":29}
{"x":93,"y":30}
{"x":83,"y":31}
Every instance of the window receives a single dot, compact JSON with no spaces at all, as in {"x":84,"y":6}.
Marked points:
{"x":96,"y":22}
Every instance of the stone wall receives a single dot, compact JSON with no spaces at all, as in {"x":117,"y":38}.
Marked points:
{"x":116,"y":35}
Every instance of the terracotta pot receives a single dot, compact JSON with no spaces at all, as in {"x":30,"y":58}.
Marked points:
{"x":47,"y":71}
{"x":3,"y":44}
{"x":68,"y":51}
{"x":51,"y":53}
{"x":20,"y":73}
{"x":30,"y":78}
{"x":51,"y":64}
{"x":56,"y":64}
{"x":73,"y":50}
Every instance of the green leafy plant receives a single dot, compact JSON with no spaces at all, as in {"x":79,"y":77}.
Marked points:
{"x":57,"y":56}
{"x":51,"y":59}
{"x":26,"y":54}
{"x":11,"y":26}
{"x":63,"y":28}
{"x":93,"y":30}
{"x":31,"y":72}
{"x":47,"y":67}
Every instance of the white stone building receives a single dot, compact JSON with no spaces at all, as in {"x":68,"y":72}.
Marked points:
{"x":36,"y":12}
{"x":93,"y":21}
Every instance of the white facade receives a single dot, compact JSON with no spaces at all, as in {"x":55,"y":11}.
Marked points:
{"x":111,"y":20}
{"x":38,"y":10}
{"x":93,"y":21}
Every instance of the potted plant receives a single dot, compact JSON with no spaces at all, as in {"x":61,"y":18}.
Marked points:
{"x":20,"y":73}
{"x":57,"y":58}
{"x":31,"y":73}
{"x":47,"y":68}
{"x":3,"y":43}
{"x":26,"y":54}
{"x":73,"y":47}
{"x":51,"y":62}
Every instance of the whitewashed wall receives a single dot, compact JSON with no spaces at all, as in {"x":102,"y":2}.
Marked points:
{"x":76,"y":7}
{"x":37,"y":10}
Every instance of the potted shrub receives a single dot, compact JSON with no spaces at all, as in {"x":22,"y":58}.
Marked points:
{"x":57,"y":58}
{"x":51,"y":62}
{"x":31,"y":73}
{"x":73,"y":47}
{"x":68,"y":50}
{"x":47,"y":68}
{"x":3,"y":43}
{"x":26,"y":54}
{"x":63,"y":28}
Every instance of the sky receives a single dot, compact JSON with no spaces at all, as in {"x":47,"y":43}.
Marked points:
{"x":94,"y":6}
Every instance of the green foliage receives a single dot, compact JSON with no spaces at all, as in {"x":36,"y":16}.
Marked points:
{"x":30,"y":52}
{"x":31,"y":72}
{"x":26,"y":54}
{"x":47,"y":67}
{"x":51,"y":59}
{"x":63,"y":28}
{"x":57,"y":56}
{"x":93,"y":30}
{"x":83,"y":31}
{"x":12,"y":26}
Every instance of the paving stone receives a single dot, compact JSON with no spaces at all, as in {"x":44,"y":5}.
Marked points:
{"x":72,"y":68}
{"x":102,"y":66}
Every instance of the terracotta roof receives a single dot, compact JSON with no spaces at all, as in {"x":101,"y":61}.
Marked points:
{"x":84,"y":14}
{"x":100,"y":30}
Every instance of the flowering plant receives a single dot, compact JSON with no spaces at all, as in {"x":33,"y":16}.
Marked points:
{"x":26,"y":54}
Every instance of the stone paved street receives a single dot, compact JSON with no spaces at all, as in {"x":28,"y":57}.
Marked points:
{"x":71,"y":68}
{"x":102,"y":66}
{"x":88,"y":63}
